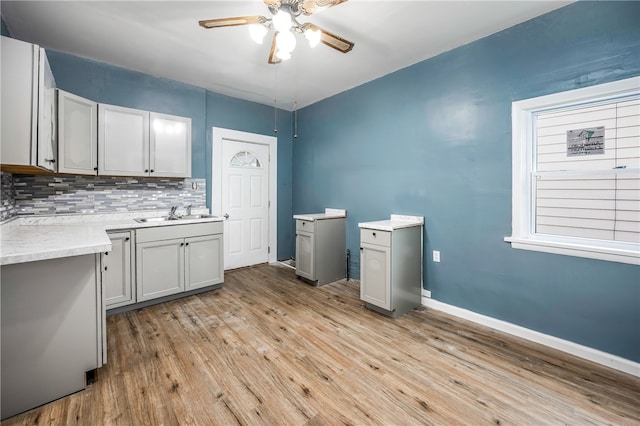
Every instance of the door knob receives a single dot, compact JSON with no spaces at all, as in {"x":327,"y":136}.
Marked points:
{"x":226,"y":216}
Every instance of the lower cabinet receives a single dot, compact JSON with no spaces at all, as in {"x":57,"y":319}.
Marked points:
{"x":117,"y":271}
{"x":304,"y":255}
{"x":375,"y":273}
{"x":391,"y":269}
{"x":178,"y":258}
{"x":203,"y":261}
{"x":159,"y":268}
{"x":320,"y":249}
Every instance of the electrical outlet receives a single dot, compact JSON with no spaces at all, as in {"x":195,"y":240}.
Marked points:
{"x":436,"y":256}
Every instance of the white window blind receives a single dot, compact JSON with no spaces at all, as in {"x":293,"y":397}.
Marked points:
{"x":591,"y":188}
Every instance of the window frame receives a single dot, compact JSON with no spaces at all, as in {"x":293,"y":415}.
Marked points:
{"x":523,"y":150}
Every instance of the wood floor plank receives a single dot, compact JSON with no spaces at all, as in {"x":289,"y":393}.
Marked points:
{"x":269,"y":349}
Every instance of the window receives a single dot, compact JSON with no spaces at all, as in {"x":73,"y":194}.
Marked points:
{"x":245,"y":159}
{"x":576,"y":172}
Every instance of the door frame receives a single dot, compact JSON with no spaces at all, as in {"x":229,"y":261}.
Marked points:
{"x":219,"y":134}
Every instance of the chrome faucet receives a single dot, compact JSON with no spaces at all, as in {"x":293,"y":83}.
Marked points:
{"x":172,"y":213}
{"x":188,"y":208}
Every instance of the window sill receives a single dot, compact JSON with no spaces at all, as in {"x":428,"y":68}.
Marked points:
{"x":629,"y":253}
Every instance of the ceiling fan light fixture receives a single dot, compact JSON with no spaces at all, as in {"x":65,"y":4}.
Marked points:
{"x":285,"y":41}
{"x":312,"y":36}
{"x":282,"y":21}
{"x":257,"y":32}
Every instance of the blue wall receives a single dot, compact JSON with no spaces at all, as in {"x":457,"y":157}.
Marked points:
{"x":434,"y":140}
{"x":108,"y":84}
{"x":3,"y":28}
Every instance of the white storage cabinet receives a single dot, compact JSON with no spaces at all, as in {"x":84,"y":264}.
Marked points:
{"x":177,"y":258}
{"x":391,"y":266}
{"x":134,"y":142}
{"x":321,"y":246}
{"x":28,"y":105}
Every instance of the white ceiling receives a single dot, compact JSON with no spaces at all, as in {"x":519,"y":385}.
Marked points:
{"x":163,"y":38}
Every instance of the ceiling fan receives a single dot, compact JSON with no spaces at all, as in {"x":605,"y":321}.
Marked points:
{"x":285,"y":25}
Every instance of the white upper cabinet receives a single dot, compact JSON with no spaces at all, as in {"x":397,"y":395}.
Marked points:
{"x":133,"y":142}
{"x":77,"y":134}
{"x":123,"y":141}
{"x":170,"y":145}
{"x":28,"y":127}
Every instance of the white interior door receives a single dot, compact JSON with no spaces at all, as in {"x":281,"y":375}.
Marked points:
{"x":243,"y":186}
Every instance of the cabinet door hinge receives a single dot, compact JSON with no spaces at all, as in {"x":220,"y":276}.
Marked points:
{"x":268,"y":249}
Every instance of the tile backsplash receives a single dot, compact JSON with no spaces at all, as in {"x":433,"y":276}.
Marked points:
{"x":53,"y":194}
{"x":8,"y":194}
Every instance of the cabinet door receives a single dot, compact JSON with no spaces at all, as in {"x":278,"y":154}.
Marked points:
{"x":203,"y":261}
{"x":77,"y":134}
{"x":170,"y":146}
{"x":375,"y":275}
{"x":17,"y":101}
{"x":123,"y":141}
{"x":47,"y":117}
{"x":305,"y":258}
{"x":159,"y":268}
{"x":116,"y":271}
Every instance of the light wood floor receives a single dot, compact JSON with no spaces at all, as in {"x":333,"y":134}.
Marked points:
{"x":267,"y":349}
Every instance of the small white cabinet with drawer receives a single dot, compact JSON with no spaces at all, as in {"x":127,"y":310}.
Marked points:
{"x":178,"y":258}
{"x":391,"y":264}
{"x":321,"y":246}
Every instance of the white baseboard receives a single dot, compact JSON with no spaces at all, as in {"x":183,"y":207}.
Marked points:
{"x":606,"y":359}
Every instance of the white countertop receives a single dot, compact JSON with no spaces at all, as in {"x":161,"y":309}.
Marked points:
{"x":394,"y":222}
{"x":32,"y":238}
{"x":328,"y":214}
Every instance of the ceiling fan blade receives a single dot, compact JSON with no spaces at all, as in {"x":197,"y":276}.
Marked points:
{"x":312,"y":6}
{"x":330,"y":39}
{"x":230,"y":22}
{"x":273,"y":59}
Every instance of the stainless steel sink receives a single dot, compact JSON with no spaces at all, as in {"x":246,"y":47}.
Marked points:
{"x":174,"y":218}
{"x":154,"y":219}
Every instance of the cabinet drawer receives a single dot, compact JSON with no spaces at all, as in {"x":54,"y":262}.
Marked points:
{"x":178,"y":231}
{"x":374,"y":236}
{"x":305,"y":225}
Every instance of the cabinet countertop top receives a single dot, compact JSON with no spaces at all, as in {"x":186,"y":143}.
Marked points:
{"x":29,"y":239}
{"x":394,"y":222}
{"x":328,"y":214}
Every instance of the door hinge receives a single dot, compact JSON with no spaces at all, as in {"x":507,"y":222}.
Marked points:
{"x":268,"y":249}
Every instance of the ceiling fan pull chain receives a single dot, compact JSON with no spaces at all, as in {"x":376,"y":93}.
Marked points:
{"x":275,"y":117}
{"x":275,"y":100}
{"x":295,"y":119}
